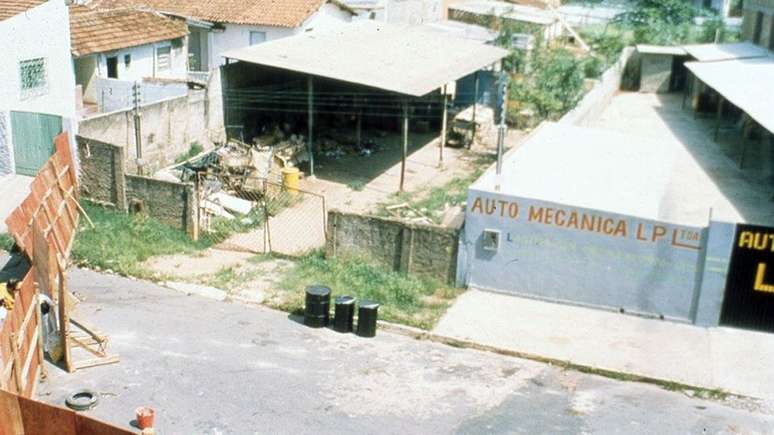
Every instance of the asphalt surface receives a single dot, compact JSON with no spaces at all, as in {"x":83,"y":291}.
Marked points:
{"x":211,"y":367}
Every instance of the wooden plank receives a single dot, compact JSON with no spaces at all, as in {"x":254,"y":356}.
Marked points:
{"x":38,"y":322}
{"x":10,"y":414}
{"x":64,"y":322}
{"x":97,"y":362}
{"x":88,"y":348}
{"x":27,"y":317}
{"x":15,"y":362}
{"x":40,"y":418}
{"x":31,"y":351}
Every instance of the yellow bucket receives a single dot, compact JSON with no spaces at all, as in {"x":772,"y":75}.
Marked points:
{"x":290,"y":179}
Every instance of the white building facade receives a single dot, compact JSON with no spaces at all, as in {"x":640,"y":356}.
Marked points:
{"x":37,"y":98}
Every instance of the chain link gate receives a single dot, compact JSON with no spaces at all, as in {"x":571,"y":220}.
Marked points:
{"x":261,"y":216}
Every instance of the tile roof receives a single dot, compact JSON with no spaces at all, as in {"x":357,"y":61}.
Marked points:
{"x":280,"y":13}
{"x":9,"y":8}
{"x":105,"y":25}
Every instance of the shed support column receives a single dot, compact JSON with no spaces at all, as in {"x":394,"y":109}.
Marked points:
{"x":473,"y":117}
{"x":718,"y":115}
{"x":310,"y":126}
{"x":443,"y":126}
{"x":405,"y":145}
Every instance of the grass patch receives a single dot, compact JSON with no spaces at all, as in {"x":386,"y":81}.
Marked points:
{"x":434,"y":202}
{"x":6,"y":242}
{"x":404,"y":299}
{"x":120,"y":241}
{"x":194,"y":150}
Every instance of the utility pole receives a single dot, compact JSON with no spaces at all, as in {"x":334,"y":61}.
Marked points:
{"x":138,"y":126}
{"x":502,"y":128}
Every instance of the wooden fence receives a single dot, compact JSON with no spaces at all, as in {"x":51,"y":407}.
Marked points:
{"x":19,"y":415}
{"x":43,"y":226}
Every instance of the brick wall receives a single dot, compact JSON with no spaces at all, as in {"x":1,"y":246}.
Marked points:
{"x":102,"y":170}
{"x":103,"y":180}
{"x":172,"y":203}
{"x":423,"y":250}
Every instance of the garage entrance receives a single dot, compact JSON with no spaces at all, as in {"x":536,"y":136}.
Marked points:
{"x":33,"y":139}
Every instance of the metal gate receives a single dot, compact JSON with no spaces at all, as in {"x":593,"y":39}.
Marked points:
{"x":33,"y":139}
{"x":260,"y":216}
{"x":749,"y":299}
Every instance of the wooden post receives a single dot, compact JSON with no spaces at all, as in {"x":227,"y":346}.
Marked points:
{"x":405,"y":145}
{"x":310,"y":126}
{"x":475,"y":101}
{"x":64,"y":323}
{"x":443,"y":126}
{"x":718,"y":115}
{"x":39,"y":322}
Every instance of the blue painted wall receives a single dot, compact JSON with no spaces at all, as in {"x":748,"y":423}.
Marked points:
{"x":640,"y":265}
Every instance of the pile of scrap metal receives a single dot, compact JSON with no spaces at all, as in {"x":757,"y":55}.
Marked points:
{"x":337,"y":143}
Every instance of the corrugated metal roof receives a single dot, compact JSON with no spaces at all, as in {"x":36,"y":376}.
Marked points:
{"x":746,"y":83}
{"x":716,"y":52}
{"x":409,"y":60}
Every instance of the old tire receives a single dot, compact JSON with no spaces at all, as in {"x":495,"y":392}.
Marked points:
{"x":82,"y":400}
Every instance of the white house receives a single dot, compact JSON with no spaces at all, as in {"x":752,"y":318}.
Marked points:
{"x":400,"y":11}
{"x":37,"y":84}
{"x":217,"y":26}
{"x":120,"y":41}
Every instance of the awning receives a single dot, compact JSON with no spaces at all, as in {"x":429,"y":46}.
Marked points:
{"x":409,"y":60}
{"x":746,"y":83}
{"x":717,"y":52}
{"x":661,"y":49}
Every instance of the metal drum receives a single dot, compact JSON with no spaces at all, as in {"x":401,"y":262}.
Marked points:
{"x":317,"y":307}
{"x":344,"y":307}
{"x":367,"y":314}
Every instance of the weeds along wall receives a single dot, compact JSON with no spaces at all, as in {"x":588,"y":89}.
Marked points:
{"x":104,"y":181}
{"x":423,"y":250}
{"x":591,"y":106}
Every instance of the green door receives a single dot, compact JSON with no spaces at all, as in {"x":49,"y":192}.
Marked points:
{"x":33,"y":139}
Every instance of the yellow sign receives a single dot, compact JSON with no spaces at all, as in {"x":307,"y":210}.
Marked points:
{"x":760,"y":275}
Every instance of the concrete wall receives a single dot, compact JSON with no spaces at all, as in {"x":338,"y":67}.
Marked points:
{"x":655,"y":72}
{"x":751,"y":8}
{"x":174,"y":204}
{"x":623,"y":262}
{"x":113,"y":94}
{"x":168,"y":129}
{"x":588,"y":110}
{"x":423,"y":250}
{"x":40,"y":32}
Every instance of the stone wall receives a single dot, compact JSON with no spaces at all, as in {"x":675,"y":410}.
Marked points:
{"x":423,"y":250}
{"x":172,"y":203}
{"x":655,"y":72}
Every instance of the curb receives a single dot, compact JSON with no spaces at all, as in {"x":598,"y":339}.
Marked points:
{"x":419,"y":334}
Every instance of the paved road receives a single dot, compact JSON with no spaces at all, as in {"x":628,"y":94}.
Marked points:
{"x":212,"y":367}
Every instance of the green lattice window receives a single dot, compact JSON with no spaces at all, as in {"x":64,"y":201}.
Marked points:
{"x":33,"y":77}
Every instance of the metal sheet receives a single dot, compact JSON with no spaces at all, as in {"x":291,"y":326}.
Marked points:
{"x":730,"y":51}
{"x":409,"y":60}
{"x":746,"y":83}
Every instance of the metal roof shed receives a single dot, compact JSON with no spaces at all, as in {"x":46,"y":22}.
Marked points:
{"x":409,"y":60}
{"x":412,"y":61}
{"x":744,"y":83}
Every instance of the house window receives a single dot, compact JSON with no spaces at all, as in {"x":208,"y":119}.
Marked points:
{"x":257,"y":37}
{"x":112,"y":67}
{"x":32,"y":74}
{"x":164,"y":58}
{"x":127,"y":60}
{"x":757,"y":30}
